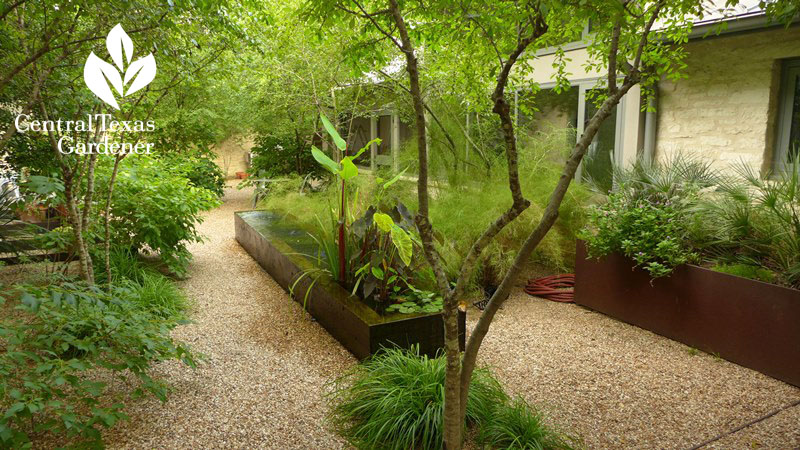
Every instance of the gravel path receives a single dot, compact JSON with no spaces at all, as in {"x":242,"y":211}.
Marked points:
{"x":614,"y":385}
{"x":261,"y":385}
{"x":619,"y":386}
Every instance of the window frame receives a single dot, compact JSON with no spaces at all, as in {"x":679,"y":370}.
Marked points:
{"x":789,"y":70}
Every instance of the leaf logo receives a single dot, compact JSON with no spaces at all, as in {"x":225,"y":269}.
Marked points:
{"x":98,"y":74}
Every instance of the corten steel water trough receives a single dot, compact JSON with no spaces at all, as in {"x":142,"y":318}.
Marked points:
{"x":754,"y":324}
{"x":281,"y":249}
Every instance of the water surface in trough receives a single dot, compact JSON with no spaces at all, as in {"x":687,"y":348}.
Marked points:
{"x":270,"y":224}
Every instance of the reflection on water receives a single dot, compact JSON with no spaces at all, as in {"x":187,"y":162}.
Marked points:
{"x":268,"y":223}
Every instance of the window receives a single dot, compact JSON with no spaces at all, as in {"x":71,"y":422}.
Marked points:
{"x":570,"y":110}
{"x":605,"y":151}
{"x":788,"y":142}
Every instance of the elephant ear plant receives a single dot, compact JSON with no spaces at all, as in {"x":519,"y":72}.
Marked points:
{"x":344,"y":170}
{"x":374,"y":253}
{"x":384,"y":257}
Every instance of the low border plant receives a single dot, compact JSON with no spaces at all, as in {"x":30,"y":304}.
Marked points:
{"x":58,"y":352}
{"x":395,"y":400}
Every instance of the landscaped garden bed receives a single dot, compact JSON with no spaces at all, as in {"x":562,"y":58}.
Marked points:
{"x":748,"y":322}
{"x":284,"y":250}
{"x":708,"y":259}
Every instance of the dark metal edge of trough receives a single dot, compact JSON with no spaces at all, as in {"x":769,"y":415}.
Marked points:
{"x":356,"y":326}
{"x":748,"y":322}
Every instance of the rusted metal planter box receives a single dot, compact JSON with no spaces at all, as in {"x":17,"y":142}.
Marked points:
{"x":754,"y":324}
{"x":280,"y":248}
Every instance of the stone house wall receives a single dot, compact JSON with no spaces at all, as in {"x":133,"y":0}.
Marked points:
{"x":725,"y":109}
{"x":232,"y":154}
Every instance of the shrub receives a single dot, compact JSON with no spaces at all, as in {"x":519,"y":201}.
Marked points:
{"x":54,"y":356}
{"x":277,"y":156}
{"x":662,"y":215}
{"x":200,"y":170}
{"x":653,"y":234}
{"x":156,"y":210}
{"x":516,"y":425}
{"x":650,"y":216}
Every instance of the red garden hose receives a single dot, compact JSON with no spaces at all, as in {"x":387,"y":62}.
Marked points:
{"x":558,"y":288}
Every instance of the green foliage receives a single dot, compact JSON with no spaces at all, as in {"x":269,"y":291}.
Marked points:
{"x":416,"y":301}
{"x":395,"y":401}
{"x":516,"y":425}
{"x":59,"y":239}
{"x":126,"y":265}
{"x":156,"y":210}
{"x":463,"y":209}
{"x":755,"y":221}
{"x":650,"y":216}
{"x":746,"y":271}
{"x":681,"y":211}
{"x":384,"y":247}
{"x":159,"y":295}
{"x":280,"y":156}
{"x":56,"y":349}
{"x":188,"y":130}
{"x":28,"y":151}
{"x":199,"y":169}
{"x":464,"y":206}
{"x":653,"y":234}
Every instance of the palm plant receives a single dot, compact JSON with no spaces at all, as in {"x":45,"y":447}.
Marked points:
{"x":756,"y":221}
{"x":677,"y":177}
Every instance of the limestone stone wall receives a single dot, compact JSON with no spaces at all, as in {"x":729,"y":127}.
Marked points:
{"x":232,"y":154}
{"x":725,"y":110}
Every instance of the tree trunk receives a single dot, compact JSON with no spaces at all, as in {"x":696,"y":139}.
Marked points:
{"x":107,"y":218}
{"x":453,"y":426}
{"x":532,"y":241}
{"x":86,"y":213}
{"x":72,"y":211}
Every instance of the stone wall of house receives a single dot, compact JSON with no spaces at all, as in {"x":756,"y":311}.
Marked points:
{"x":232,"y":154}
{"x":725,"y":110}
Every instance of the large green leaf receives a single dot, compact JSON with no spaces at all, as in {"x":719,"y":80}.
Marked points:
{"x":323,"y":159}
{"x":332,"y":131}
{"x":402,"y":241}
{"x":383,"y":221}
{"x":349,"y":170}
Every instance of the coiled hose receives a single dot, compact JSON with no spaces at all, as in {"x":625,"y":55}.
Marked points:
{"x":557,"y":288}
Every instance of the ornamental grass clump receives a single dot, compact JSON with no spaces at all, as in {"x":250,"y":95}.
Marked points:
{"x":517,"y":425}
{"x":395,"y":400}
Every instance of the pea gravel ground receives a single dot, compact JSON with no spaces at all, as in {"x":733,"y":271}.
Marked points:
{"x":611,"y":384}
